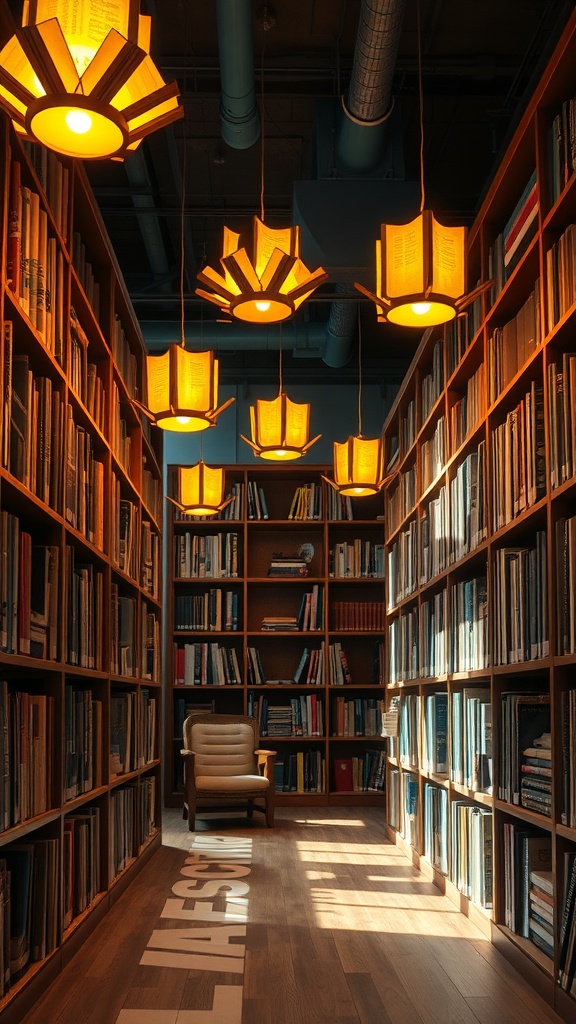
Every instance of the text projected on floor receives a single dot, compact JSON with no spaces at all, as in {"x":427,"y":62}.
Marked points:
{"x":207,"y":913}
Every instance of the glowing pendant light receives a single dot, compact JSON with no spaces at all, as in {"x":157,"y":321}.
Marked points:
{"x":183,"y":390}
{"x":420,"y":272}
{"x":78,"y":77}
{"x":280,"y":427}
{"x":420,"y":266}
{"x":200,"y":490}
{"x":263,"y":279}
{"x":359,"y":461}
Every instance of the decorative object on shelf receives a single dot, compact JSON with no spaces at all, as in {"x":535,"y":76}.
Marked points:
{"x":359,"y":461}
{"x":79,"y":78}
{"x":280,"y":427}
{"x":200,"y":490}
{"x":262,"y":278}
{"x":420,"y":266}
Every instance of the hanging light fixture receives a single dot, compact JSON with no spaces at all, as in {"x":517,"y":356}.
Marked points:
{"x":182,"y":386}
{"x":420,"y":266}
{"x":200,"y":490}
{"x":78,"y":77}
{"x":359,"y":461}
{"x":262,"y":278}
{"x":280,"y":427}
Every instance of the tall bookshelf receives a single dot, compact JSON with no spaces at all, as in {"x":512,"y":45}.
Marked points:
{"x":316,"y":687}
{"x":479,"y":526}
{"x":80,"y":543}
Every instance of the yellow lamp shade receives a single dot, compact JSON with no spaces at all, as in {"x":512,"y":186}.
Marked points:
{"x":280,"y":429}
{"x":420,"y":272}
{"x":358,"y":466}
{"x":182,"y":390}
{"x":262,"y":279}
{"x":78,"y":78}
{"x":200,"y":490}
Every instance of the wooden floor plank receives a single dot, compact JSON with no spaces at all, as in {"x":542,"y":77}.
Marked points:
{"x":340,"y":929}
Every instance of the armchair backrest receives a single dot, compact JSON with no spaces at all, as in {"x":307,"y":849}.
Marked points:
{"x":222,"y":744}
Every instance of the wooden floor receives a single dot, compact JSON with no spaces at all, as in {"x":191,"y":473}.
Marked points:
{"x":339,"y":929}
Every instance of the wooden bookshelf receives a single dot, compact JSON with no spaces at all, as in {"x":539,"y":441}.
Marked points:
{"x":239,"y":663}
{"x":479,"y":518}
{"x":80,"y":542}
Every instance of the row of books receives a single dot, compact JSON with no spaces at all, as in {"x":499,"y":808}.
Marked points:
{"x":360,"y":716}
{"x":518,"y":459}
{"x":303,"y":771}
{"x":35,"y":262}
{"x":568,"y":740}
{"x":561,"y":276}
{"x":435,"y":827}
{"x":567,"y":941}
{"x":362,"y":773}
{"x":82,"y":864}
{"x":124,"y":537}
{"x":120,"y":434}
{"x":451,"y":525}
{"x":206,"y":664}
{"x":433,"y":655}
{"x":562,"y":419}
{"x":401,"y":501}
{"x":408,"y":427}
{"x":528,"y":888}
{"x":27,"y":754}
{"x":299,"y":716}
{"x":471,"y":844}
{"x":525,"y":759}
{"x":510,"y":245}
{"x":125,"y":358}
{"x":403,"y":804}
{"x":83,"y":374}
{"x":414,"y":653}
{"x":150,"y":559}
{"x":432,"y":383}
{"x":356,"y":559}
{"x":123,"y":633}
{"x":85,"y":273}
{"x":83,"y":742}
{"x":198,"y":555}
{"x":215,"y":610}
{"x":29,"y":906}
{"x":467,"y":411}
{"x":460,"y":331}
{"x":84,"y":483}
{"x":510,"y":346}
{"x":357,"y":616}
{"x":561,"y":149}
{"x":133,"y":739}
{"x":520,"y":603}
{"x":307,"y":502}
{"x":433,"y":453}
{"x":152,"y":492}
{"x":29,"y":605}
{"x":150,"y":643}
{"x":85,"y":612}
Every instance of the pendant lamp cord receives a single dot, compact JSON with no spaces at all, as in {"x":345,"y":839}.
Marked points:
{"x":280,"y":360}
{"x":359,"y":376}
{"x":262,"y":119}
{"x":183,"y":195}
{"x":421,"y":105}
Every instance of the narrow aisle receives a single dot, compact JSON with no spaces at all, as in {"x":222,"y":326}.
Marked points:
{"x":317,"y":921}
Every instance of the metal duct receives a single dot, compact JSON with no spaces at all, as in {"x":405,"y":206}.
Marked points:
{"x":361,"y":135}
{"x":238,"y":109}
{"x":363,"y":127}
{"x":307,"y":340}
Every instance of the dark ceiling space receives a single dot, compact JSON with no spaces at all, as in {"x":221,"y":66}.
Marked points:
{"x":479,"y":61}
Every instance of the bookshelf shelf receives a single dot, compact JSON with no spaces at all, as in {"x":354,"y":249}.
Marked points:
{"x":503,"y":559}
{"x":63,"y":585}
{"x":309,"y":656}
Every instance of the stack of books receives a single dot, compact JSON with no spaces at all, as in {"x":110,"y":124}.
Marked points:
{"x":536,"y":775}
{"x":280,"y":623}
{"x":541,"y":919}
{"x":288,"y":565}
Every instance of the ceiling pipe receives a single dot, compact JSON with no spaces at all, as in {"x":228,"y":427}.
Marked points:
{"x":362,"y":132}
{"x":238,"y":109}
{"x":307,"y":340}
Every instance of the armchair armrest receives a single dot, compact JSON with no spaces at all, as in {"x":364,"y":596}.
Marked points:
{"x":266,"y":759}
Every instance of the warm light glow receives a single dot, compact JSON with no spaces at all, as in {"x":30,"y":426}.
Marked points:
{"x":262,"y":279}
{"x":420,"y":272}
{"x":358,"y":467}
{"x":182,"y":390}
{"x":200,"y":490}
{"x":78,"y":121}
{"x":280,"y":429}
{"x":79,"y":78}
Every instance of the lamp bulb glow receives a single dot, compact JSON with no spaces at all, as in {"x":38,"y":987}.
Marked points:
{"x":262,"y":306}
{"x":78,"y":121}
{"x":183,"y":420}
{"x":421,"y":308}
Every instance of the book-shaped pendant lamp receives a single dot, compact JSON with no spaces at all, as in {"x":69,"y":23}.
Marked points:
{"x":78,"y":78}
{"x":280,"y":429}
{"x":358,"y":467}
{"x":420,"y":272}
{"x":200,"y":490}
{"x":182,"y":390}
{"x":262,"y":279}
